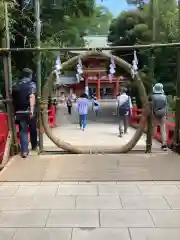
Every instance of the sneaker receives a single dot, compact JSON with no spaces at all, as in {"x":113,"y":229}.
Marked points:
{"x":121,"y":134}
{"x":164,"y":147}
{"x":24,"y":155}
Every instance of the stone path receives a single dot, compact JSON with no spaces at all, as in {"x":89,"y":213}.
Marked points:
{"x":90,"y":210}
{"x":101,"y":130}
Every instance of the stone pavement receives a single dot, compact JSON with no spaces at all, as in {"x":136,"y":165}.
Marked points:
{"x":120,"y":210}
{"x":101,"y":130}
{"x":90,"y":210}
{"x":95,"y":135}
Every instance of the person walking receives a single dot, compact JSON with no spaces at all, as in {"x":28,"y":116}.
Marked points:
{"x":82,"y":109}
{"x":24,"y":102}
{"x":69,"y":105}
{"x":95,"y":106}
{"x":124,"y":106}
{"x":159,"y":107}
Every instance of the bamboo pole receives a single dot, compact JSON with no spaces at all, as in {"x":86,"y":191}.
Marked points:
{"x":151,"y":74}
{"x":38,"y":72}
{"x":8,"y":80}
{"x":7,"y":148}
{"x":131,"y":47}
{"x":8,"y":44}
{"x":176,"y":138}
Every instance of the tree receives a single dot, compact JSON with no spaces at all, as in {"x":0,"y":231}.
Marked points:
{"x":134,"y":27}
{"x":61,"y":26}
{"x":100,"y":21}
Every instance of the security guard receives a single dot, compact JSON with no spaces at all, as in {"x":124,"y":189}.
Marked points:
{"x":24,"y":101}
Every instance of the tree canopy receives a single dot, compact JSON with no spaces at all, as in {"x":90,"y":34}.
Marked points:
{"x":135,"y":27}
{"x":65,"y":23}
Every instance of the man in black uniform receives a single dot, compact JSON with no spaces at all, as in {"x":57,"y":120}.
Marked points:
{"x":24,"y":101}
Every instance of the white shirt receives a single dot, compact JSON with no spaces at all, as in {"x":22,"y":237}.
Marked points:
{"x":121,"y":99}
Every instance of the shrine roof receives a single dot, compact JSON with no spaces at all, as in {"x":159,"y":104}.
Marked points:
{"x":94,"y":41}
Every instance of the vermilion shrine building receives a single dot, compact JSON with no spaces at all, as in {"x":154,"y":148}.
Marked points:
{"x":95,"y":75}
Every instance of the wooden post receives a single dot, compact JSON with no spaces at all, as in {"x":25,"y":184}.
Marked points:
{"x":86,"y":80}
{"x":8,"y":79}
{"x":151,"y":73}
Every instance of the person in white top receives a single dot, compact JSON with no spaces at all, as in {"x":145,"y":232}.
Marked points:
{"x":124,"y":107}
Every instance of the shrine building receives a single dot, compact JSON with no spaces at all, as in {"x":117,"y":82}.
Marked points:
{"x":95,"y":74}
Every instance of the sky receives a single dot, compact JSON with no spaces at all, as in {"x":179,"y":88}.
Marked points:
{"x":115,"y":6}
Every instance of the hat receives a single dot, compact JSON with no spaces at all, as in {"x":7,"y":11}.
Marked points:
{"x":158,"y":88}
{"x":27,"y":70}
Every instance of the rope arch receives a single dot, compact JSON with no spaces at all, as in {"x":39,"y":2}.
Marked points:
{"x":80,"y":150}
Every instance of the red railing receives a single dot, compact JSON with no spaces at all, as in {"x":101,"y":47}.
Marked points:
{"x":3,"y":134}
{"x":136,"y":115}
{"x":4,"y":128}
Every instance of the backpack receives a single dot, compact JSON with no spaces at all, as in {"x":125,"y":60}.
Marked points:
{"x":160,"y":111}
{"x":20,"y":96}
{"x":124,"y":108}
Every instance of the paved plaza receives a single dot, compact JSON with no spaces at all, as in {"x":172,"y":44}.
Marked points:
{"x":101,"y":131}
{"x":90,"y":210}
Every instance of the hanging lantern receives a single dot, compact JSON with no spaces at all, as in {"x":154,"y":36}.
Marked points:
{"x":134,"y":69}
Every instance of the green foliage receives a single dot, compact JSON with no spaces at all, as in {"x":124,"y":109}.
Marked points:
{"x":171,"y":103}
{"x":100,"y":21}
{"x":62,"y":25}
{"x":135,"y":27}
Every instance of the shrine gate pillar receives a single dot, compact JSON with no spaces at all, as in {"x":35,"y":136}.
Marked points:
{"x":116,"y":89}
{"x":86,"y":88}
{"x":86,"y":80}
{"x":98,"y":88}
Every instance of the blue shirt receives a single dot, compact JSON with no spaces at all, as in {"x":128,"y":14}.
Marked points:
{"x":82,"y":106}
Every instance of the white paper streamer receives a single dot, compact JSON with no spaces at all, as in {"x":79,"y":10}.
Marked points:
{"x":112,"y":69}
{"x":134,"y":69}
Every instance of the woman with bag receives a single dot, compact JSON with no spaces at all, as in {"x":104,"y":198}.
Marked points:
{"x":96,"y":106}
